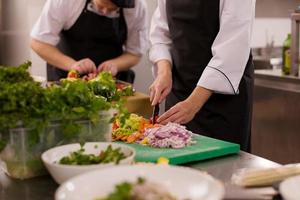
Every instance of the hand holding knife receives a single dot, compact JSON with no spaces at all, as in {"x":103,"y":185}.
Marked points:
{"x":155,"y":113}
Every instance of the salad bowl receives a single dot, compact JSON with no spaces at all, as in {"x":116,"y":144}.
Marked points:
{"x":77,"y":164}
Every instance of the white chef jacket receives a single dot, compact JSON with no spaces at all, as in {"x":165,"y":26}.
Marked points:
{"x":230,"y":49}
{"x":58,"y":15}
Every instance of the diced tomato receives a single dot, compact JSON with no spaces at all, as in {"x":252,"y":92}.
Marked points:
{"x":120,"y":86}
{"x":73,"y":74}
{"x":115,"y":126}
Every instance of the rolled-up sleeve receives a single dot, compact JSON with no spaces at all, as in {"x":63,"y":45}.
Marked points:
{"x":231,"y":48}
{"x":50,"y":23}
{"x":159,"y":35}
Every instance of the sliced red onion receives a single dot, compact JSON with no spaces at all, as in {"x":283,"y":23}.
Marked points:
{"x":171,"y":135}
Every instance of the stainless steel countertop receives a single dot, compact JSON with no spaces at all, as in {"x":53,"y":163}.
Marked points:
{"x":275,"y":74}
{"x":269,"y":78}
{"x":43,"y":188}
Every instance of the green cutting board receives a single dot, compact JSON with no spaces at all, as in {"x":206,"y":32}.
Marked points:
{"x":205,"y":148}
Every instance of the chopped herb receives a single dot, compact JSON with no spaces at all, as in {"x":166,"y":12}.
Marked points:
{"x":110,"y":155}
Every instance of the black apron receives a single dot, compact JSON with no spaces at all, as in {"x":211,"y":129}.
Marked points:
{"x":194,"y":25}
{"x":93,"y":36}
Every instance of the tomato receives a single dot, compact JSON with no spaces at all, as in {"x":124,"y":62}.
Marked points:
{"x":115,"y":126}
{"x":73,"y":74}
{"x":120,"y":86}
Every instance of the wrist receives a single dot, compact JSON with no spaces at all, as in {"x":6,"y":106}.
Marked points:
{"x":164,"y":68}
{"x":70,"y":64}
{"x":194,"y":105}
{"x":198,"y":98}
{"x":115,"y":64}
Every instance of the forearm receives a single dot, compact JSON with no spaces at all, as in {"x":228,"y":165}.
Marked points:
{"x":52,"y":55}
{"x":126,"y":61}
{"x":199,"y":97}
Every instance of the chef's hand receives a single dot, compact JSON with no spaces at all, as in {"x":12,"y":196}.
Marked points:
{"x":108,"y":66}
{"x":84,"y":66}
{"x":184,"y":111}
{"x":162,"y":84}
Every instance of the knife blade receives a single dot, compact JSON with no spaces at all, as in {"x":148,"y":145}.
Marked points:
{"x":155,"y":113}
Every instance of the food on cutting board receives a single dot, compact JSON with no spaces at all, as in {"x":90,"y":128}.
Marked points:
{"x":110,"y":155}
{"x":138,"y":129}
{"x":171,"y":135}
{"x":130,"y":129}
{"x":140,"y":190}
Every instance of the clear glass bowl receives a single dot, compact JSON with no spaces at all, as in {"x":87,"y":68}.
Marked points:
{"x":21,"y":158}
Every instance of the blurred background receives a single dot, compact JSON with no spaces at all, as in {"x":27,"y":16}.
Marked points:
{"x":18,"y":16}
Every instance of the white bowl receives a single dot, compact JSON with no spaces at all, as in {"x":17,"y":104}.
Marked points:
{"x":290,"y":188}
{"x":181,"y":182}
{"x":61,"y":173}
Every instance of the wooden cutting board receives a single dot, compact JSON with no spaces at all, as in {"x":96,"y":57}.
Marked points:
{"x":140,"y":104}
{"x":205,"y":148}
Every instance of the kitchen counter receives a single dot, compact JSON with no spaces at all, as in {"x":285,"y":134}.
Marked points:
{"x":221,"y":168}
{"x":274,"y":79}
{"x":276,"y":116}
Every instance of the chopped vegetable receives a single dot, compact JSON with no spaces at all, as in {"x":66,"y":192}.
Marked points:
{"x":110,"y":155}
{"x":131,"y":130}
{"x":73,"y":74}
{"x":103,"y":84}
{"x":171,"y":135}
{"x":138,"y":129}
{"x":163,"y":161}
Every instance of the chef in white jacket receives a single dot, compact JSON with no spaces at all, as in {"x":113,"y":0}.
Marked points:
{"x":90,"y":36}
{"x":203,"y":66}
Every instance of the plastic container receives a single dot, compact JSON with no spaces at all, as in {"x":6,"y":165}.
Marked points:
{"x":21,"y":158}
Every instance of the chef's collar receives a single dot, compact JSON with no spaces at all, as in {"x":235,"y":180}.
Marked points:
{"x":124,"y":3}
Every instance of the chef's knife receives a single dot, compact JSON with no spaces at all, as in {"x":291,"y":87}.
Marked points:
{"x":155,"y":113}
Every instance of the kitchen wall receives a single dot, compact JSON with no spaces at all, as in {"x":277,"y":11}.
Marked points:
{"x":13,"y":32}
{"x":16,"y":20}
{"x":272,"y":21}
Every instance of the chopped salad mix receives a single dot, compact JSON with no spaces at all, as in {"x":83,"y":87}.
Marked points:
{"x":140,"y":130}
{"x":103,"y":84}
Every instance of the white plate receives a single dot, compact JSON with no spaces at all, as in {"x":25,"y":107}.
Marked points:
{"x":290,"y":188}
{"x":61,"y":173}
{"x":181,"y":182}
